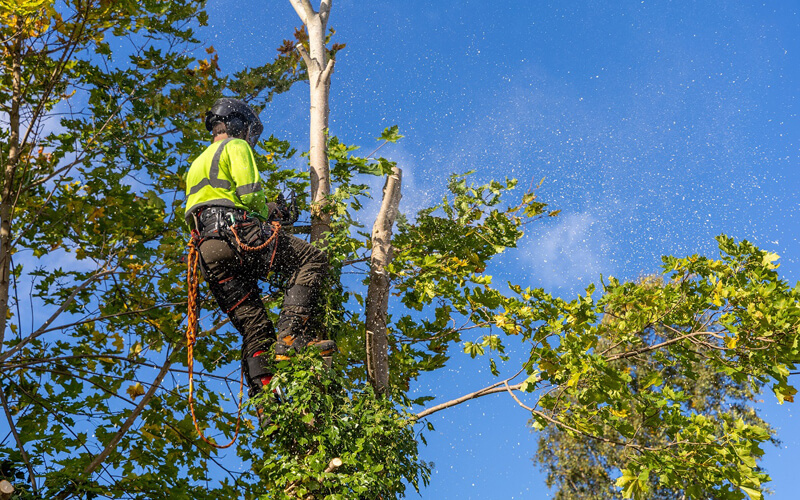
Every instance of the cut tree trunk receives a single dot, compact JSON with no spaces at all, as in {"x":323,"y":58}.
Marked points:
{"x":378,"y":291}
{"x":6,"y":490}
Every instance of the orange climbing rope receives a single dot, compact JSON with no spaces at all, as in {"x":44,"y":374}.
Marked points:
{"x":193,"y":281}
{"x":191,"y":337}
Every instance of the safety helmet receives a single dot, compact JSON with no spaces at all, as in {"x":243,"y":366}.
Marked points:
{"x":237,"y":117}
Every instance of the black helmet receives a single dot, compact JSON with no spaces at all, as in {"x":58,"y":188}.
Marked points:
{"x":237,"y":117}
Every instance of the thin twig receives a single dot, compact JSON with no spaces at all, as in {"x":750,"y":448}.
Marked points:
{"x":131,"y":419}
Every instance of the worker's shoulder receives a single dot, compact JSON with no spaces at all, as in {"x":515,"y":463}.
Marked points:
{"x":237,"y":152}
{"x":234,"y":144}
{"x":207,"y":153}
{"x":230,"y":146}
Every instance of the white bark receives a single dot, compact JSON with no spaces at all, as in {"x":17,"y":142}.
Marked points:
{"x":319,"y":68}
{"x":378,"y":291}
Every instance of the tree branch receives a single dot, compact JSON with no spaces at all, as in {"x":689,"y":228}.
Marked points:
{"x":326,"y":73}
{"x":303,"y":9}
{"x":511,"y":390}
{"x":38,"y":361}
{"x":42,"y":329}
{"x":100,"y":458}
{"x":19,"y":442}
{"x":304,"y":54}
{"x":492,"y":389}
{"x":325,"y":10}
{"x":477,"y":394}
{"x":630,"y":354}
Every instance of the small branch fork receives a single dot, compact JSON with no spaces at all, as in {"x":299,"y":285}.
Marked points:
{"x":100,"y":458}
{"x":42,"y":329}
{"x":112,"y":445}
{"x":501,"y":386}
{"x":324,"y":77}
{"x":303,"y":9}
{"x":504,"y":386}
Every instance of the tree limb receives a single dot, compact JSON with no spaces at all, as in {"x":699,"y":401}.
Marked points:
{"x":9,"y":173}
{"x":325,"y":10}
{"x":42,"y":329}
{"x":630,"y":354}
{"x":303,"y":9}
{"x":474,"y":395}
{"x":378,"y":290}
{"x":37,"y":361}
{"x":492,"y":389}
{"x":326,"y":73}
{"x":100,"y":458}
{"x":304,"y":54}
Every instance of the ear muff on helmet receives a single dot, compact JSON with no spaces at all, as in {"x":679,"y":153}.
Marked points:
{"x":236,"y":126}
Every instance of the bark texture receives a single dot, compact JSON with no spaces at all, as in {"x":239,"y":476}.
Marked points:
{"x":378,"y":291}
{"x":319,"y":67}
{"x":8,"y":189}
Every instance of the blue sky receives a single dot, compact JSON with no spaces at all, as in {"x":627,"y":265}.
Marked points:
{"x":657,"y":125}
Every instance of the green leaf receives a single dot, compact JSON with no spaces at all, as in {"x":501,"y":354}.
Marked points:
{"x":390,"y":134}
{"x":752,"y":493}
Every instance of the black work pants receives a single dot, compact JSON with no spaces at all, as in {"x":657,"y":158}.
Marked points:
{"x":233,"y":274}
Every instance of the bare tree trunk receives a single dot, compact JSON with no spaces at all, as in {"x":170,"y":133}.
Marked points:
{"x":319,"y":67}
{"x":8,"y":190}
{"x":378,"y":291}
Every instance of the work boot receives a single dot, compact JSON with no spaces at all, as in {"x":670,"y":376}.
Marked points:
{"x":289,"y":343}
{"x":259,"y":375}
{"x":295,"y":325}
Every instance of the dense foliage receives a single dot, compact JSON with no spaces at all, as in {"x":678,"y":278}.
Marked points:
{"x":321,"y":416}
{"x":583,"y":468}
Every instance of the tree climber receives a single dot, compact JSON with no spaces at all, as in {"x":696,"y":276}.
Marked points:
{"x":240,"y":242}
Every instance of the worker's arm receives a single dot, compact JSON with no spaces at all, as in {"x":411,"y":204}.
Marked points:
{"x":246,"y":178}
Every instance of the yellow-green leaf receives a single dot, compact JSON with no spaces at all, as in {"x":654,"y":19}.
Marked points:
{"x":135,"y":390}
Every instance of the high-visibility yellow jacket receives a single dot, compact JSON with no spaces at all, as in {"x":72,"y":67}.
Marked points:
{"x":225,"y":175}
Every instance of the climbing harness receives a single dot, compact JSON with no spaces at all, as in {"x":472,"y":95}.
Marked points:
{"x":193,"y":282}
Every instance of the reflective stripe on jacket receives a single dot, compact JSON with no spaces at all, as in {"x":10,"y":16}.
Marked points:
{"x":225,"y":175}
